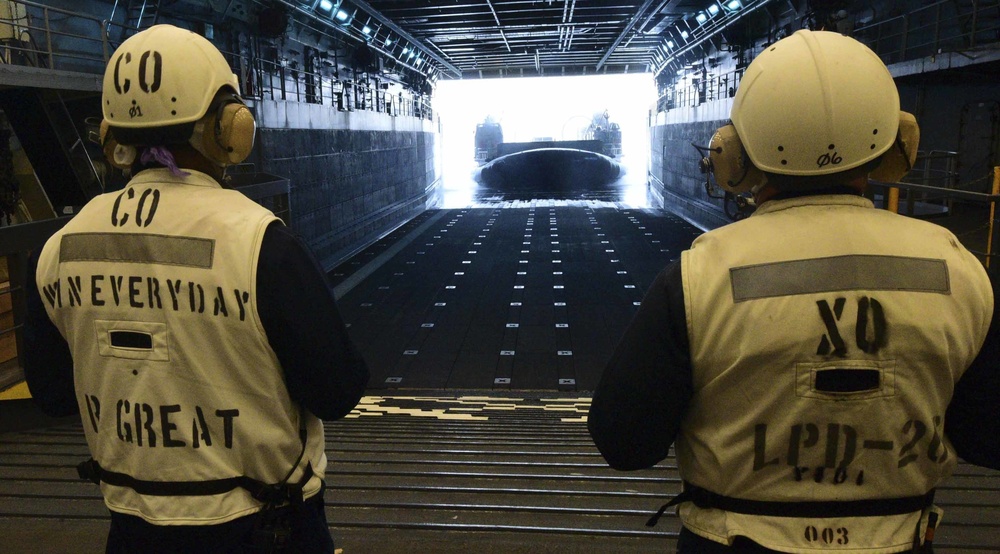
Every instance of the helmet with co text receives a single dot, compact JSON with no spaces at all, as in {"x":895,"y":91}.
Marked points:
{"x":167,"y":85}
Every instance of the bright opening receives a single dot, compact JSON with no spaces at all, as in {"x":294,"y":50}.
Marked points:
{"x":543,"y":108}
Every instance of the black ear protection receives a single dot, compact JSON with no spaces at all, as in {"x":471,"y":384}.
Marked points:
{"x":225,"y":134}
{"x":736,"y":173}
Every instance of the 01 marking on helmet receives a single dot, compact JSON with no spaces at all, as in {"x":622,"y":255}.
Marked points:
{"x":150,"y":76}
{"x":826,"y":159}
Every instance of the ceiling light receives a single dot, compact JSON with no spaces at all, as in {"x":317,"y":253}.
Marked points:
{"x":341,"y":15}
{"x":670,"y":44}
{"x":701,"y":18}
{"x":713,"y":9}
{"x":684,"y":35}
{"x":366,"y":30}
{"x":734,"y":5}
{"x":326,"y":5}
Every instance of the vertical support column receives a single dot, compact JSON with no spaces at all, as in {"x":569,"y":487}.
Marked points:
{"x":993,"y":238}
{"x":892,"y":201}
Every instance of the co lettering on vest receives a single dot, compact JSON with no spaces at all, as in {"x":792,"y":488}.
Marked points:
{"x":141,"y":211}
{"x":156,"y":426}
{"x":145,"y":292}
{"x":823,"y":453}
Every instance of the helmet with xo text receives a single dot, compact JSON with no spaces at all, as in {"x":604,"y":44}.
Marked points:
{"x":166,"y":85}
{"x":813,"y":104}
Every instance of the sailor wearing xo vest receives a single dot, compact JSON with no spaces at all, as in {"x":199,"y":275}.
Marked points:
{"x":197,"y":337}
{"x":819,"y":366}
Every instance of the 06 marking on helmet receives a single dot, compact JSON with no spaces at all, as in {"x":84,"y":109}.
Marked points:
{"x":827,"y":159}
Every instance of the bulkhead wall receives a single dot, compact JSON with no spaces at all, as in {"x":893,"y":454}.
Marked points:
{"x":675,"y":181}
{"x":354,"y":176}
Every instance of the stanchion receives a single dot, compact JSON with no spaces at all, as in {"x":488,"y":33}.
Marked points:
{"x":993,"y":269}
{"x":892,"y":203}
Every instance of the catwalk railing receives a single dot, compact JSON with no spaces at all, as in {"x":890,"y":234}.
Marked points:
{"x":943,"y":26}
{"x":982,"y":239}
{"x":43,"y":37}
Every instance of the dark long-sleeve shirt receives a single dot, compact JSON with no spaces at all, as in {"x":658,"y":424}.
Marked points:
{"x":324,"y":372}
{"x":645,"y":389}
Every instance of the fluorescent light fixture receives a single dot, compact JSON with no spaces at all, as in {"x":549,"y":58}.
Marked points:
{"x":670,"y":44}
{"x":341,"y":15}
{"x":406,"y":49}
{"x":326,"y":5}
{"x":713,"y":9}
{"x":701,"y":18}
{"x":734,"y":5}
{"x":412,"y":53}
{"x":366,"y":30}
{"x":388,"y":41}
{"x":684,"y":35}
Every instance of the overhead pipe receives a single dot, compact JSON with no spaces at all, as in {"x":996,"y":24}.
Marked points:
{"x":409,"y":38}
{"x":339,"y":29}
{"x":625,"y":31}
{"x":714,"y":26}
{"x":499,"y":27}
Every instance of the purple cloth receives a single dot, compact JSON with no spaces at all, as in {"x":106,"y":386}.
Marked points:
{"x":163,"y":157}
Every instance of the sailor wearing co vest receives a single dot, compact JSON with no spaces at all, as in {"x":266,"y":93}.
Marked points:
{"x":179,"y":377}
{"x":818,"y":363}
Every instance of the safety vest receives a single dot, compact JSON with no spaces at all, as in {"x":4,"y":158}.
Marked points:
{"x":182,"y":398}
{"x":826,"y":339}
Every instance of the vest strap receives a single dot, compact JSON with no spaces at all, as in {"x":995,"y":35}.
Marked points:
{"x":268,"y":494}
{"x":872,"y":507}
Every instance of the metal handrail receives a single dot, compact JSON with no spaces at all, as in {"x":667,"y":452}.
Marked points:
{"x":53,"y":38}
{"x":990,"y":199}
{"x":924,"y":31}
{"x":929,"y":30}
{"x":39,"y":39}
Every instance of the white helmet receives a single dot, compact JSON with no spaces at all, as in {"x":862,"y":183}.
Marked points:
{"x":161,"y":77}
{"x":816,"y":103}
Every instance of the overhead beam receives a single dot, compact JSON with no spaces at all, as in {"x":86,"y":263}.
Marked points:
{"x":499,"y":27}
{"x":628,"y":28}
{"x":409,"y":38}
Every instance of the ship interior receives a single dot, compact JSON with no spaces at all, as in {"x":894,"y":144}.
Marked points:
{"x":492,"y":186}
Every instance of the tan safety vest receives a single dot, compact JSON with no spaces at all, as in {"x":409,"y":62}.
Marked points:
{"x":826,"y":339}
{"x":154,"y":289}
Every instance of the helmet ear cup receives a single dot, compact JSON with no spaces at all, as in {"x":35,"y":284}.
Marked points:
{"x":225,"y":135}
{"x":118,"y":155}
{"x":734,"y":171}
{"x":900,"y":157}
